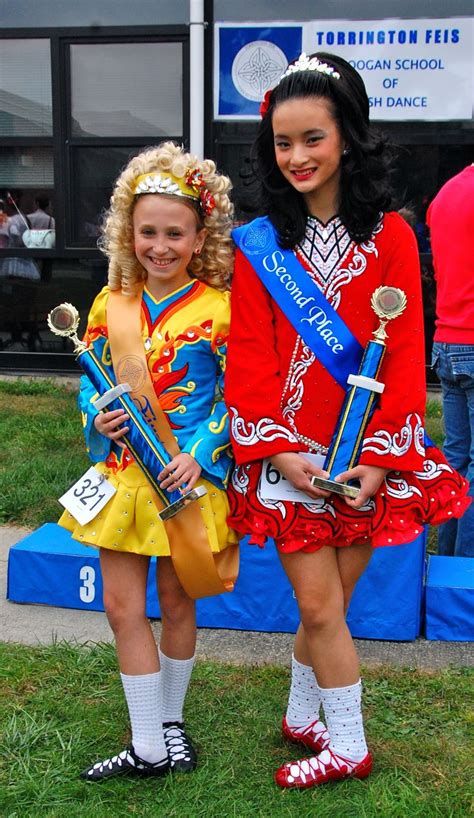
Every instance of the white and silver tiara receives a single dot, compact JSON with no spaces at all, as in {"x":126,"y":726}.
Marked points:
{"x":305,"y":63}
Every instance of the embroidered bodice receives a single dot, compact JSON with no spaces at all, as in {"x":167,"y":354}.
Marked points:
{"x":288,"y":400}
{"x":282,"y":399}
{"x":184,"y":337}
{"x":324,"y":247}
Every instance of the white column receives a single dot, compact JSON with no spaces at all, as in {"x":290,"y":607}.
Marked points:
{"x":196,"y":83}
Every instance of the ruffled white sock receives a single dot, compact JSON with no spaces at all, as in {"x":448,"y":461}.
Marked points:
{"x":176,"y":674}
{"x":144,"y":701}
{"x":343,"y":712}
{"x":304,"y":700}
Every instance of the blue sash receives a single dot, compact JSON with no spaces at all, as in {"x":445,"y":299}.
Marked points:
{"x":303,"y":303}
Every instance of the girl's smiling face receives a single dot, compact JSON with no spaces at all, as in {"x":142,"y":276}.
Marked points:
{"x":308,"y":150}
{"x":166,"y":233}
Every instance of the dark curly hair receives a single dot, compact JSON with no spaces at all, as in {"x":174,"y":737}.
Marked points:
{"x":365,"y":170}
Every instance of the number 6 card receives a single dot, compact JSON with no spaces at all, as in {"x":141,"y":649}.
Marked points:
{"x":88,"y":496}
{"x":273,"y":486}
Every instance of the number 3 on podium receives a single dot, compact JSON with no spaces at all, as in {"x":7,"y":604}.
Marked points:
{"x":87,"y":589}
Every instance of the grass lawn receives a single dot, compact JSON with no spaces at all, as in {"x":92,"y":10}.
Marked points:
{"x":42,"y":451}
{"x":434,"y":421}
{"x":62,"y":707}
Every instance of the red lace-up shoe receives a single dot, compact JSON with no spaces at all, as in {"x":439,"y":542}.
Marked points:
{"x":327,"y":766}
{"x":314,"y":735}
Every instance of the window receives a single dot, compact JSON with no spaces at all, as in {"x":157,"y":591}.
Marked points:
{"x":26,"y":127}
{"x":126,"y":89}
{"x":94,"y":170}
{"x":420,"y":171}
{"x":123,"y":96}
{"x":27,"y":186}
{"x":25,"y":93}
{"x":74,"y":107}
{"x":30,"y":288}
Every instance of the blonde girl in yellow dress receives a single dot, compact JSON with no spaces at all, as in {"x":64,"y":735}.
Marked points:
{"x":166,"y":234}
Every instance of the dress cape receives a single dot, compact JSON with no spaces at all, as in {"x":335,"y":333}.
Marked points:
{"x":280,"y":398}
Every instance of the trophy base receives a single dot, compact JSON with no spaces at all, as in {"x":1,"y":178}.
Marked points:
{"x":178,"y":505}
{"x":336,"y":488}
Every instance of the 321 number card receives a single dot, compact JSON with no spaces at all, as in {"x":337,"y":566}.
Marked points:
{"x":88,"y":496}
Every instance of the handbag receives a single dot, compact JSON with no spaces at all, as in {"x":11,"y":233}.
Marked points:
{"x":39,"y":239}
{"x":35,"y":239}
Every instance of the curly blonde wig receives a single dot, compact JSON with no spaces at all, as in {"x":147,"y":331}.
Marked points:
{"x":214,"y":265}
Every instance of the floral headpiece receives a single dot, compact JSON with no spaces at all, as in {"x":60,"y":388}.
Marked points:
{"x":303,"y":63}
{"x":192,"y":187}
{"x":197,"y":183}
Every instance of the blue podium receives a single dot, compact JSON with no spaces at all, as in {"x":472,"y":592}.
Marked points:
{"x":48,"y":567}
{"x":450,"y":599}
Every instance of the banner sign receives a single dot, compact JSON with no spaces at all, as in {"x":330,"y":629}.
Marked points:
{"x":248,"y":59}
{"x":413,"y":69}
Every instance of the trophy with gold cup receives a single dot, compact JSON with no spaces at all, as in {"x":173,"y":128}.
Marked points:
{"x":152,"y":443}
{"x":360,"y":401}
{"x":145,"y":446}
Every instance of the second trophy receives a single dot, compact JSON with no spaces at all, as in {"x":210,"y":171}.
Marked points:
{"x":360,"y":401}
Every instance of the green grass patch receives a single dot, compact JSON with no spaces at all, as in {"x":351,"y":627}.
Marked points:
{"x":30,"y":386}
{"x":435,"y":429}
{"x":42,"y":451}
{"x":434,"y":409}
{"x":62,"y":707}
{"x":434,"y":422}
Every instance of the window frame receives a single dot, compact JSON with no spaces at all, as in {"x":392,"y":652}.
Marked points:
{"x":60,"y":39}
{"x":61,"y":142}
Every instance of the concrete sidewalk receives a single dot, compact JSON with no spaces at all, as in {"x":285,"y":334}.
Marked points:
{"x":38,"y":624}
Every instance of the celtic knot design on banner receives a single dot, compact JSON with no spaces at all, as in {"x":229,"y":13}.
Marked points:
{"x":257,"y":67}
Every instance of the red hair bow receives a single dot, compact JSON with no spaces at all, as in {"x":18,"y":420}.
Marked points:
{"x":265,"y":103}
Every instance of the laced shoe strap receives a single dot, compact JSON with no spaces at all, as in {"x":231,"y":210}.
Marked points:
{"x":308,"y":769}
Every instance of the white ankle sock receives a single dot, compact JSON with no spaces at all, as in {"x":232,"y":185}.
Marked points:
{"x":143,"y":695}
{"x":342,"y":709}
{"x":304,"y":700}
{"x":176,"y":674}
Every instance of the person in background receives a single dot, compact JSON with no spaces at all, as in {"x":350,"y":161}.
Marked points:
{"x":3,"y":224}
{"x":14,"y":266}
{"x":40,"y":219}
{"x":17,"y":222}
{"x":450,"y":218}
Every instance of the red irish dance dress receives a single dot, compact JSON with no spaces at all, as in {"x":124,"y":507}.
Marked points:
{"x":281,"y":398}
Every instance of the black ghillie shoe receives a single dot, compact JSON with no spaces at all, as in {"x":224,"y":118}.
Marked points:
{"x":181,"y":753}
{"x":125,"y":762}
